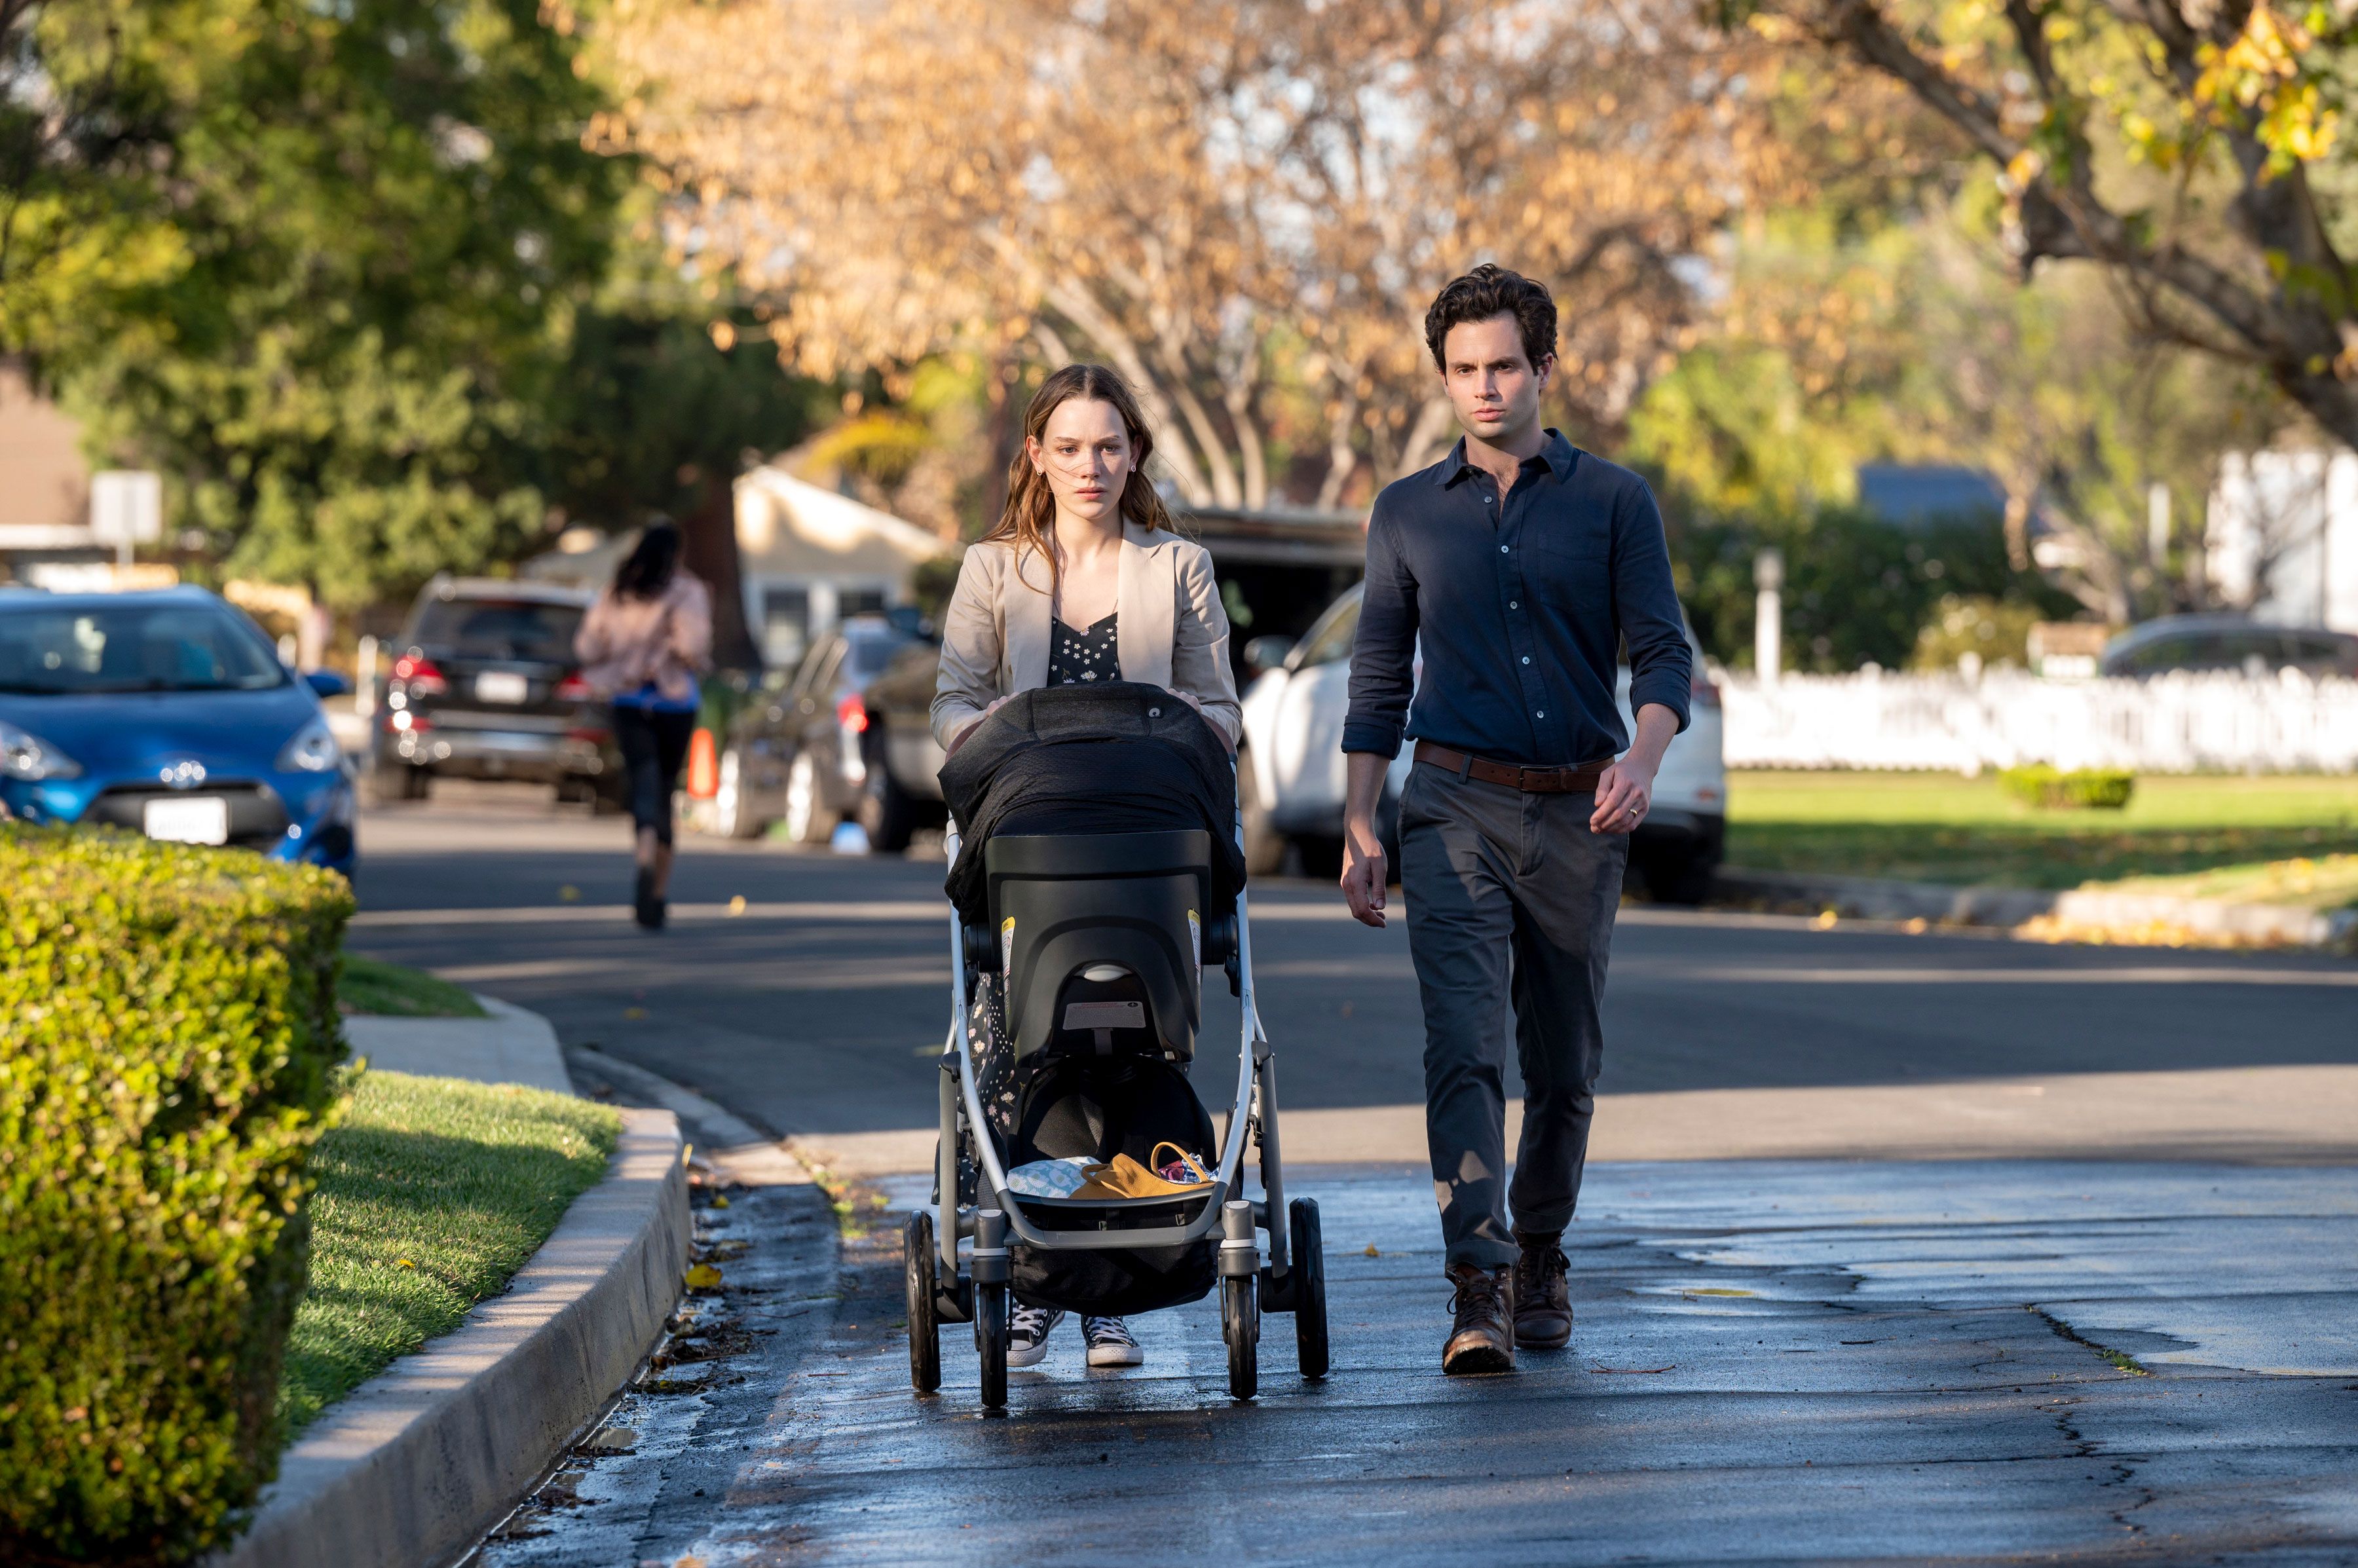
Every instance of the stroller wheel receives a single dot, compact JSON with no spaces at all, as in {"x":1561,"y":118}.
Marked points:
{"x":1240,"y":1325}
{"x":991,"y":1340}
{"x":925,"y":1320}
{"x":1309,"y":1262}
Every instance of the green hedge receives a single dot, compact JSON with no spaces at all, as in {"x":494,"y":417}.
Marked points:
{"x":2096,"y":789}
{"x":168,"y":1041}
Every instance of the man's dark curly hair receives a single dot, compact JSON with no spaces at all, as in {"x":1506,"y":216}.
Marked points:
{"x":1491,"y":291}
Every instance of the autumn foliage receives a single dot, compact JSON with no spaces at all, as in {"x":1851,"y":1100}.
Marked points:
{"x":1246,"y":207}
{"x":167,"y":1040}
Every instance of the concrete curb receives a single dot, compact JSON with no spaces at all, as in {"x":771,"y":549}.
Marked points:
{"x":2120,"y":913}
{"x":410,"y":1468}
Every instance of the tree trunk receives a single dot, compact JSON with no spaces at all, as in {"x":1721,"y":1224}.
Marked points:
{"x":708,"y":548}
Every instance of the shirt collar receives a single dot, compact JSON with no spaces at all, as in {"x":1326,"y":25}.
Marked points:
{"x":1557,"y":457}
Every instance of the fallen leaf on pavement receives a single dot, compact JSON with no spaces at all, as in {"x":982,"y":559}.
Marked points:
{"x":1371,"y":1250}
{"x":737,"y":904}
{"x":703,"y":1276}
{"x":568,"y":893}
{"x":720,"y":1200}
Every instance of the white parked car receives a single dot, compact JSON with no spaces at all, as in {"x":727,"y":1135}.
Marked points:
{"x":1291,"y":770}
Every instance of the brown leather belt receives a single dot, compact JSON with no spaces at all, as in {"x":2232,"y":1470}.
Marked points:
{"x":1581,"y":779}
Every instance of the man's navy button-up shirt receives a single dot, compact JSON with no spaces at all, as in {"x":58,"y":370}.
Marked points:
{"x":1522,"y":609}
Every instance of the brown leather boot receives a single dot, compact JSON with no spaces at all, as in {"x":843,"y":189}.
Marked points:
{"x":1543,"y":1296}
{"x":1482,"y":1337}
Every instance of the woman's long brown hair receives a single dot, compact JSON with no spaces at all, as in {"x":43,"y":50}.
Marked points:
{"x":1030,"y":509}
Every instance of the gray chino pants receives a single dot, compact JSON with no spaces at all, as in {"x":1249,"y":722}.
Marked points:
{"x":1509,"y":897}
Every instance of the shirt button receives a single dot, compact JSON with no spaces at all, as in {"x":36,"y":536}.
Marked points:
{"x":1502,"y":550}
{"x":1542,"y":714}
{"x":1527,"y":658}
{"x":1512,"y":605}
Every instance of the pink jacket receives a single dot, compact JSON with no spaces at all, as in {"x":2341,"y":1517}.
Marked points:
{"x":624,"y":643}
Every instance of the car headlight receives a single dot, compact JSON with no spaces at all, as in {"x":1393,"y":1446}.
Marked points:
{"x":24,"y":755}
{"x":313,"y":749}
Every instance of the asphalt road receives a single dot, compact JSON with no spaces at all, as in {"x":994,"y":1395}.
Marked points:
{"x":2004,"y":1356}
{"x":815,"y":1009}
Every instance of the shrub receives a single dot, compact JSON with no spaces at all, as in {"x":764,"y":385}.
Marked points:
{"x":169,"y":1042}
{"x":2095,"y":789}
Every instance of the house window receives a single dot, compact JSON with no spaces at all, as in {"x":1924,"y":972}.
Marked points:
{"x":785,"y":626}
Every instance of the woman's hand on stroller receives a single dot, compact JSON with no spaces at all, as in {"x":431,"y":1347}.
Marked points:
{"x":1190,"y":699}
{"x":965,"y":734}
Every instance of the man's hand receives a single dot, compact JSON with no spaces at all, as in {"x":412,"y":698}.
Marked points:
{"x":1626,"y":791}
{"x":1364,"y":871}
{"x":1623,"y":796}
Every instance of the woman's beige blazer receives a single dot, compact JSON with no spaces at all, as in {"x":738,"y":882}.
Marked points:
{"x":1172,"y":633}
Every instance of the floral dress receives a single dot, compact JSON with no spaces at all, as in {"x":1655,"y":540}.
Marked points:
{"x":1076,"y":658}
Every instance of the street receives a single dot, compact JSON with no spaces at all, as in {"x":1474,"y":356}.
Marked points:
{"x":1977,"y":1343}
{"x":815,"y":1010}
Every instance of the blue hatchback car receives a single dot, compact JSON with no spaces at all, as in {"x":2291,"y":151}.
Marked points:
{"x":168,"y":713}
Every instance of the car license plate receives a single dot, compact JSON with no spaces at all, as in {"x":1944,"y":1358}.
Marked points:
{"x":498,"y":685}
{"x":193,"y":819}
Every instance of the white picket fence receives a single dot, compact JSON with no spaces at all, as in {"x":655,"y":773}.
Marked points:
{"x":2173,"y":724}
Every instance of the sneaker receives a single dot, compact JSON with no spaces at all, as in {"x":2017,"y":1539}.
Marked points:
{"x":1543,"y":1296}
{"x":1027,"y":1334}
{"x":1110,"y":1343}
{"x":1482,"y":1335}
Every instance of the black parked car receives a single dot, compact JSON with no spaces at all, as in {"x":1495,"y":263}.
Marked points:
{"x":2228,"y":643}
{"x":904,"y":787}
{"x":483,"y":685}
{"x":795,"y":753}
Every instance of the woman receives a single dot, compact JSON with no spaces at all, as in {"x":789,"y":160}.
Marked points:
{"x":641,"y":648}
{"x":1083,"y":579}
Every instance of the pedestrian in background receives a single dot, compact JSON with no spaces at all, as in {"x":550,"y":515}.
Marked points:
{"x":643,"y":646}
{"x":1524,"y":563}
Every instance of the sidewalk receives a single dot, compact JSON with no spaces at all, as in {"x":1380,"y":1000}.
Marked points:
{"x":512,"y":1046}
{"x":1773,"y":1361}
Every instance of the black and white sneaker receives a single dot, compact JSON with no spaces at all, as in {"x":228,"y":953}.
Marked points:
{"x":1027,"y":1334}
{"x":1110,"y":1343}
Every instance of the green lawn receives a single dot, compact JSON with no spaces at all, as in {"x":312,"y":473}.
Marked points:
{"x":1940,"y":827}
{"x":432,"y":1193}
{"x":372,"y":985}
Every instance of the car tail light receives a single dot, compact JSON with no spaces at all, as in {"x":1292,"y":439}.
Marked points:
{"x":417,"y":672}
{"x":852,"y":714}
{"x":1702,"y":693}
{"x":403,"y":720}
{"x":573,"y":688}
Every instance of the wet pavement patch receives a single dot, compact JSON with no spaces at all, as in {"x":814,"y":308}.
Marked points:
{"x":1923,"y":1362}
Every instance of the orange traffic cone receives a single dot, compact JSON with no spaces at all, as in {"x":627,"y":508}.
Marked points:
{"x":703,"y":767}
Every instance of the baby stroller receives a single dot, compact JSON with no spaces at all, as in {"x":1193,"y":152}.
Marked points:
{"x":1100,"y":936}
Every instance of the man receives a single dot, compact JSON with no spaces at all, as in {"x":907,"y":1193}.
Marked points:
{"x":1522,"y":562}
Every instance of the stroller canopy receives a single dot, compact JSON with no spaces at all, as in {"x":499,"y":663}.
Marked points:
{"x":1117,"y":758}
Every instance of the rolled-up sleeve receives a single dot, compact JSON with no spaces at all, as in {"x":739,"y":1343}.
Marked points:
{"x":1645,"y":599}
{"x":1383,"y":654}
